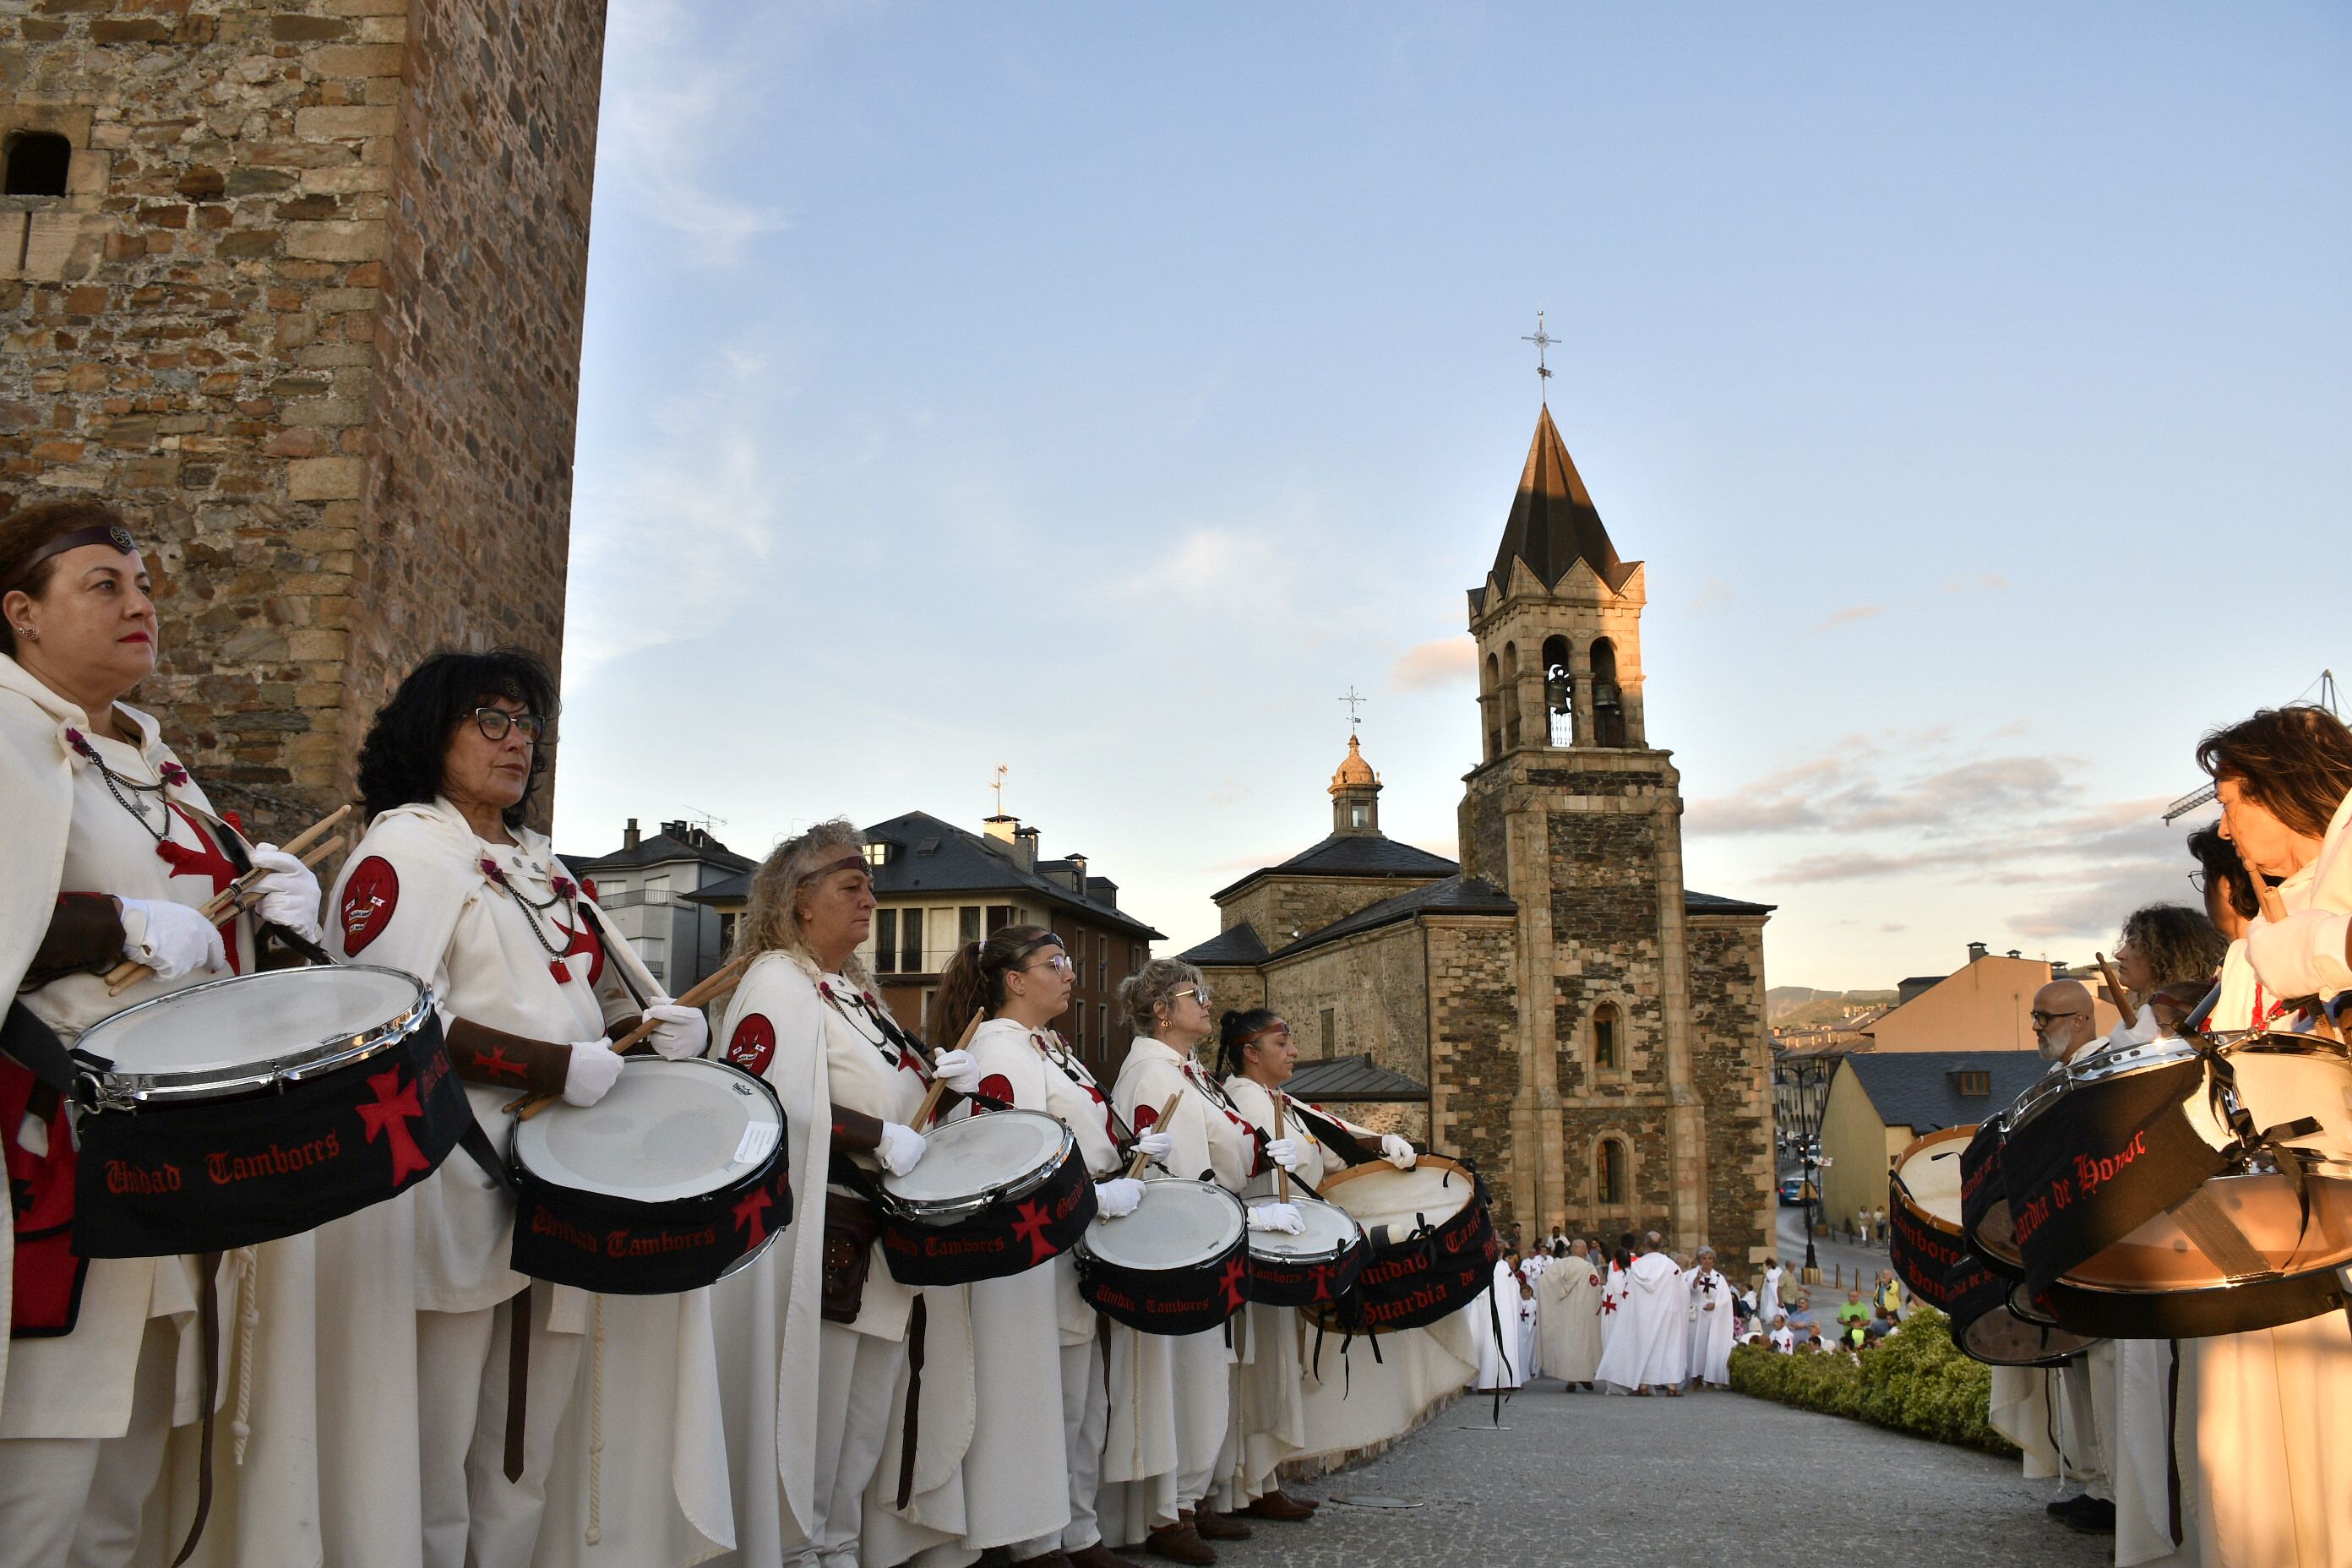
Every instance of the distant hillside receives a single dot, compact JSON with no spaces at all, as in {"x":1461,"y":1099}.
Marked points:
{"x":1801,"y":1006}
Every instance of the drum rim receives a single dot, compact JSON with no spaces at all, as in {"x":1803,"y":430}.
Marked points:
{"x":2052,"y":1358}
{"x":1354,"y":1240}
{"x":1225,"y":1249}
{"x":1965,"y":1135}
{"x":2156,"y":1313}
{"x":519,"y":1161}
{"x":944,"y":1212}
{"x":1374,"y":1167}
{"x":105,"y":1088}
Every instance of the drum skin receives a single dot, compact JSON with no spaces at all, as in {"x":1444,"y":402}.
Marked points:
{"x":1281,"y":1275}
{"x":1041,"y":1213}
{"x":1923,"y":1235}
{"x":1423,"y":1261}
{"x":1171,"y":1286}
{"x":1988,"y":1329}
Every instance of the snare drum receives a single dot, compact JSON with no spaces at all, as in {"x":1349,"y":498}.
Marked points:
{"x":2169,"y":1191}
{"x":246,"y":1110}
{"x":993,"y":1195}
{"x":1923,"y":1210}
{"x":1174,"y":1266}
{"x":1429,"y":1243}
{"x":673,"y":1180}
{"x":1984,"y":1201}
{"x":1315,"y":1267}
{"x":1988,"y":1327}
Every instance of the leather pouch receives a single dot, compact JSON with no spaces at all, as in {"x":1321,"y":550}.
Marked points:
{"x":851,"y":1226}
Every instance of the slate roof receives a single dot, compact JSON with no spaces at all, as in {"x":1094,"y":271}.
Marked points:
{"x":662,"y":848}
{"x":1235,"y":948}
{"x":1910,"y":1088}
{"x":1350,"y":1078}
{"x":1697,"y":903}
{"x":1456,"y":895}
{"x":1553,"y":522}
{"x":1351,"y":855}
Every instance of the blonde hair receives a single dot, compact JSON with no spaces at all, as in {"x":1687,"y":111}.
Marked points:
{"x":771,"y":920}
{"x":1142,"y":993}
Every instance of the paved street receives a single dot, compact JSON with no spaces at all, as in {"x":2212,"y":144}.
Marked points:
{"x":1712,"y":1478}
{"x":1833,"y":1254}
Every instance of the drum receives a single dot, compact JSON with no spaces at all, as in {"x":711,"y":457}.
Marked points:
{"x":1174,"y":1266}
{"x":676,"y":1178}
{"x":1922,"y":1212}
{"x":2177,"y":1189}
{"x":1987,"y":1326}
{"x":993,"y":1195}
{"x":262,"y":1106}
{"x":1316,"y":1267}
{"x":1984,"y":1201}
{"x":1429,"y":1245}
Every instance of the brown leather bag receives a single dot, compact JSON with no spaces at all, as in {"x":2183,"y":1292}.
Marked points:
{"x":851,"y":1226}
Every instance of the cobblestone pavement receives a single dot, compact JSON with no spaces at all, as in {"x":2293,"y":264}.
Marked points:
{"x":1714,"y":1478}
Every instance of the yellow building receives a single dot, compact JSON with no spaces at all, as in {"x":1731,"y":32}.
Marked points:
{"x":1880,"y":1101}
{"x":1980,"y":1007}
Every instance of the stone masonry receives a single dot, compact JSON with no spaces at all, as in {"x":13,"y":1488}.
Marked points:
{"x":308,"y":313}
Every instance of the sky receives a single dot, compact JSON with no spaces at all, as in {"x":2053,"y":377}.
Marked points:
{"x":1100,"y":392}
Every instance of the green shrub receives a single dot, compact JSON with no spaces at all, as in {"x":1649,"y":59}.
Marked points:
{"x":1914,"y":1381}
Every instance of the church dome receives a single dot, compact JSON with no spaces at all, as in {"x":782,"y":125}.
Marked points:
{"x":1354,"y":772}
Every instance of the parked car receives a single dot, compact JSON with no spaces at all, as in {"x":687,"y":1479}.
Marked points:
{"x":1795,"y":1190}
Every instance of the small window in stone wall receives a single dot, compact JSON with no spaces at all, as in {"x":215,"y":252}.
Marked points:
{"x":1604,"y":1037}
{"x":1331,"y":1032}
{"x":38,"y":161}
{"x":1608,"y":1174}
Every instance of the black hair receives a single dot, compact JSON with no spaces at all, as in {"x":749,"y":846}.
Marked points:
{"x":402,"y":760}
{"x":1235,"y":1029}
{"x":2220,"y":858}
{"x":972,"y":984}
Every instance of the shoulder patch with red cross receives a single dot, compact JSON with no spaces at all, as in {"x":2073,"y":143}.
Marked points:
{"x":371,"y":894}
{"x":753,"y":1044}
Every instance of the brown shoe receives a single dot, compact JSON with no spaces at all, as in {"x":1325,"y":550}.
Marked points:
{"x":1180,"y":1543}
{"x":1280,"y":1506}
{"x":1215,"y":1526}
{"x":1096,"y":1556}
{"x":1043,"y":1560}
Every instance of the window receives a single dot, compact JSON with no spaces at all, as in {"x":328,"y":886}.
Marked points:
{"x":1330,"y":1031}
{"x":1358,"y":816}
{"x":657,"y":889}
{"x":1971,"y":1083}
{"x":910,"y":941}
{"x":968,"y":923}
{"x":1604,"y":1038}
{"x":1102,"y":1025}
{"x":878,"y":854}
{"x":654,"y":952}
{"x":726,"y":934}
{"x":999,"y":917}
{"x":37,"y":164}
{"x":1559,"y":691}
{"x":1608,"y":704}
{"x":1608,"y":1174}
{"x":885,"y":942}
{"x":1510,"y":694}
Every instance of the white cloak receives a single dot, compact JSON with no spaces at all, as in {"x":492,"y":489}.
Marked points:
{"x":1502,"y":1361}
{"x":1568,"y":1320}
{"x":1767,"y":1296}
{"x":1648,"y":1348}
{"x":1711,"y":1327}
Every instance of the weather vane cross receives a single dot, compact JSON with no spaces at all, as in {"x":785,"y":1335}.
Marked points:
{"x":999,"y":787}
{"x":1542,"y":341}
{"x":1354,"y":700}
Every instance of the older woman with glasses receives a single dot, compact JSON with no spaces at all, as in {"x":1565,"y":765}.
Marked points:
{"x":1168,"y":1005}
{"x":450,"y":885}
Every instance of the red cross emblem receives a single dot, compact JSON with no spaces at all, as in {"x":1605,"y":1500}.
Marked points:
{"x":1031,"y":1228}
{"x":203,"y":862}
{"x":394,"y":1109}
{"x":1608,"y":1303}
{"x":1232,"y":1282}
{"x":583,"y":943}
{"x":747,"y":1217}
{"x":500,"y":1065}
{"x":1322,"y":1282}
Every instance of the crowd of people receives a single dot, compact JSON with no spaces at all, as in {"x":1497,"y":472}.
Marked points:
{"x":1632,"y":1319}
{"x":391,"y":1391}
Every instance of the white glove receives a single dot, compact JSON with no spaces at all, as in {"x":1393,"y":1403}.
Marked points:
{"x":1397,"y":1150}
{"x":595,"y":1067}
{"x":957,"y":1071}
{"x":1118,"y":1197}
{"x":678,"y":1032}
{"x":1155,"y":1145}
{"x":171,"y":939}
{"x":1286,"y":1153}
{"x":900,"y":1149}
{"x":1284,"y":1218}
{"x":289,"y":893}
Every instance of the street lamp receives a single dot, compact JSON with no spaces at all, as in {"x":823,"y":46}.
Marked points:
{"x":1806,"y":1080}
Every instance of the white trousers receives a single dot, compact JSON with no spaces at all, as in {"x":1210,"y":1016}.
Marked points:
{"x":2086,"y":1420}
{"x":473,"y":1516}
{"x":1086,"y":1410}
{"x":76,"y":1501}
{"x":856,"y":1377}
{"x":1204,"y":1407}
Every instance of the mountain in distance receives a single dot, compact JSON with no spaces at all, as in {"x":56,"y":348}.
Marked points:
{"x":1802,"y":1007}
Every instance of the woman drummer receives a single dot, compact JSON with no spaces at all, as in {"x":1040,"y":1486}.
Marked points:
{"x":1038,"y":1331}
{"x":814,"y":1335}
{"x":117,"y":850}
{"x":450,"y":886}
{"x":2161,"y":945}
{"x":1256,"y":1056}
{"x":1167,"y":1003}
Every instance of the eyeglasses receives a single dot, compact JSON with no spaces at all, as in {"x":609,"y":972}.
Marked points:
{"x":494,"y":724}
{"x":2042,"y":1020}
{"x":2197,"y":880}
{"x":1060,"y":961}
{"x":1198,"y":993}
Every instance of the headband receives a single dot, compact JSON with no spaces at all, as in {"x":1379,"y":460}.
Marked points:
{"x":849,"y":862}
{"x":103,"y":534}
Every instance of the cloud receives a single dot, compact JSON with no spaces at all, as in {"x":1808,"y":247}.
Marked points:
{"x":1852,"y":614}
{"x":1984,"y":583}
{"x":669,"y":113}
{"x":1844,"y":793}
{"x":1432,"y":664}
{"x":1713,"y":594}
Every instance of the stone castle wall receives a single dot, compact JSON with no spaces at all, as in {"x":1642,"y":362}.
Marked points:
{"x":1731,"y":1059}
{"x":1377,"y":991}
{"x":1475,"y":1073}
{"x":1280,"y":905}
{"x":309,"y":316}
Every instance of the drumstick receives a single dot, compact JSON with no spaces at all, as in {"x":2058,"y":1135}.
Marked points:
{"x":2123,"y":997}
{"x":219,"y":908}
{"x":930,"y":1106}
{"x":717,"y":983}
{"x":1135,"y":1166}
{"x":1281,"y":1131}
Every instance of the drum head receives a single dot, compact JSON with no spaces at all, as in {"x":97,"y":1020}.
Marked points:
{"x":1930,"y":1169}
{"x":665,"y":1130}
{"x":979,"y":1152}
{"x":2162,"y":1253}
{"x":226,"y":1027}
{"x":1331,"y":1230}
{"x":1178,"y":1225}
{"x":1377,"y":1193}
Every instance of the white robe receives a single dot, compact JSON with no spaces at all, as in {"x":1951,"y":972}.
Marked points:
{"x":1711,"y":1331}
{"x":1502,"y":1361}
{"x":1650,"y":1346}
{"x":1767,"y":1297}
{"x":1568,"y":1320}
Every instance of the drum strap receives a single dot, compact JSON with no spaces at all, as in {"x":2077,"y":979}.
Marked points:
{"x":208,"y":1334}
{"x":2216,"y":1235}
{"x":518,"y":1376}
{"x":2171,"y":1438}
{"x":917,"y":1318}
{"x":477,"y":1142}
{"x":587,"y":913}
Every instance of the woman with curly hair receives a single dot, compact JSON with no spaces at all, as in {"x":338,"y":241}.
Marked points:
{"x":449,"y":884}
{"x":2163,"y":945}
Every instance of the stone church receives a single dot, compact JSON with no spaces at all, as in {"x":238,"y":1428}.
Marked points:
{"x":1557,"y":1007}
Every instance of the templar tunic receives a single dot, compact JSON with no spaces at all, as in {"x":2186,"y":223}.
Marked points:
{"x":1711,"y":1328}
{"x":1568,"y":1319}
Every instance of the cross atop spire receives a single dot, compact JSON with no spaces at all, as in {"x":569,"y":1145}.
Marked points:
{"x":1354,"y":700}
{"x":1542,"y":341}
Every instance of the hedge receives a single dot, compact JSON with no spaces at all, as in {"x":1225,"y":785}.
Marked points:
{"x":1913,"y":1381}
